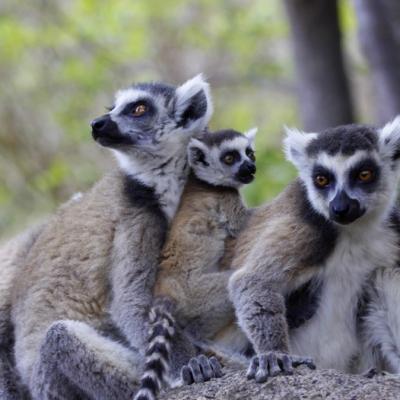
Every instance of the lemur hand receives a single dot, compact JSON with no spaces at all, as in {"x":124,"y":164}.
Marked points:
{"x":273,"y":363}
{"x":201,"y":369}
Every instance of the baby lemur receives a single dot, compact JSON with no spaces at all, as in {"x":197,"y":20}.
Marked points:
{"x":210,"y":213}
{"x":325,"y":257}
{"x":81,"y":299}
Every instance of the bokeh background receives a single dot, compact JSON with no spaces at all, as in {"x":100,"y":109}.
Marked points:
{"x":305,"y":63}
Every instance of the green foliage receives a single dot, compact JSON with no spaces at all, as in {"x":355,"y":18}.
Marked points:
{"x":62,"y":60}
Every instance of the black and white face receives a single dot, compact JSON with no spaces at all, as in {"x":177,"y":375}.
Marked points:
{"x":350,"y":172}
{"x":224,"y":158}
{"x":154,"y":117}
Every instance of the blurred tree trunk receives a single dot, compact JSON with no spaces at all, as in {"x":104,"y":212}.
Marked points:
{"x":322,"y":83}
{"x":379,"y":34}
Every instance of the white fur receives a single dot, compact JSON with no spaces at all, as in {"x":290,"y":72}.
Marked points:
{"x":295,"y":145}
{"x":251,"y":134}
{"x":330,"y":335}
{"x":185,"y":92}
{"x":382,"y":324}
{"x":168,"y":186}
{"x":126,"y":96}
{"x":389,"y":137}
{"x":239,"y":143}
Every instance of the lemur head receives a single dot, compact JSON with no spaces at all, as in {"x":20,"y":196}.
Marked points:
{"x":350,"y":172}
{"x":154,"y":119}
{"x":223,"y":158}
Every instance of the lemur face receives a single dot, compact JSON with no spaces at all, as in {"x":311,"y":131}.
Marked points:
{"x":223,"y":158}
{"x":152,"y":117}
{"x":349,"y":171}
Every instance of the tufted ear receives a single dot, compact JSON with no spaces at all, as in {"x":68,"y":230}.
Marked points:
{"x":389,"y":140}
{"x":251,"y":135}
{"x":197,"y":153}
{"x":193,"y":104}
{"x":295,"y":144}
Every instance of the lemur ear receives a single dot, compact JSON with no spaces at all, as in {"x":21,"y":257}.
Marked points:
{"x":389,"y":139}
{"x":193,"y":104}
{"x":197,"y":153}
{"x":295,"y":145}
{"x":251,"y":134}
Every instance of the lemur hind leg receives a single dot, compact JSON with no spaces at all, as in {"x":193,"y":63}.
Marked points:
{"x":380,"y":323}
{"x":76,"y":362}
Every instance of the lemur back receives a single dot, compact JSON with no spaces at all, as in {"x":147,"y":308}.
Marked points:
{"x":211,"y":212}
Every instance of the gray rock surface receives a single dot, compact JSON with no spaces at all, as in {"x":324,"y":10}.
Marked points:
{"x":304,"y":384}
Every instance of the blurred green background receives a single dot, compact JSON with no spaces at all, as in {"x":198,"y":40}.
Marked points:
{"x":61,"y":61}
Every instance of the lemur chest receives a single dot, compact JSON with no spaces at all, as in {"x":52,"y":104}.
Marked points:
{"x":330,"y":335}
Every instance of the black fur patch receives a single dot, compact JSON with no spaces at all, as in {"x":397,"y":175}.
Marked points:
{"x":197,"y":156}
{"x":323,"y":241}
{"x":196,"y":109}
{"x":157,"y":89}
{"x":142,"y":196}
{"x":130,"y":107}
{"x":321,"y":170}
{"x":394,"y":223}
{"x":211,"y":139}
{"x":366,"y":164}
{"x":150,"y":384}
{"x":159,"y":330}
{"x":156,"y":366}
{"x":346,"y":139}
{"x":158,"y":348}
{"x":302,"y":304}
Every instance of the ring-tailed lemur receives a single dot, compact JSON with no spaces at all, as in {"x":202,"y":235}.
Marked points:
{"x":192,"y":298}
{"x":80,"y":306}
{"x":330,"y":243}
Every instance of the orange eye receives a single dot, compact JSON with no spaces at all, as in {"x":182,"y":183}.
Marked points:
{"x":139,"y":110}
{"x":365,"y":176}
{"x":228,"y":159}
{"x":321,"y":180}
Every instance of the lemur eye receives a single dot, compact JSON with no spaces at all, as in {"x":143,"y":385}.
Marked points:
{"x":250,"y":154}
{"x":321,"y":181}
{"x":365,"y":175}
{"x":139,"y":110}
{"x":229,"y":159}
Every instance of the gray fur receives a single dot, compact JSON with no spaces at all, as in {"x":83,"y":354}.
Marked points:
{"x":12,"y":254}
{"x":80,"y":308}
{"x":272,"y":258}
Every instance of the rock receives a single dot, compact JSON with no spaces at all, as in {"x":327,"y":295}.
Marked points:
{"x":304,"y":384}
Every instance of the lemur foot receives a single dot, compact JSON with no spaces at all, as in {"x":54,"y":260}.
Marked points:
{"x":273,"y":363}
{"x":201,"y":369}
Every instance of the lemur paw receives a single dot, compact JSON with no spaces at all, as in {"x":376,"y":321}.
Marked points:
{"x":273,"y":363}
{"x":201,"y":369}
{"x":373,"y":372}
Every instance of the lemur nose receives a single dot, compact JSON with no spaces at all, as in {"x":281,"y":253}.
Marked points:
{"x":252,"y":168}
{"x":248,"y":167}
{"x":341,"y":210}
{"x":98,"y":124}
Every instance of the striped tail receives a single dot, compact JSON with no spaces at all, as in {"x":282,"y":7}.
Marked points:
{"x":157,"y":366}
